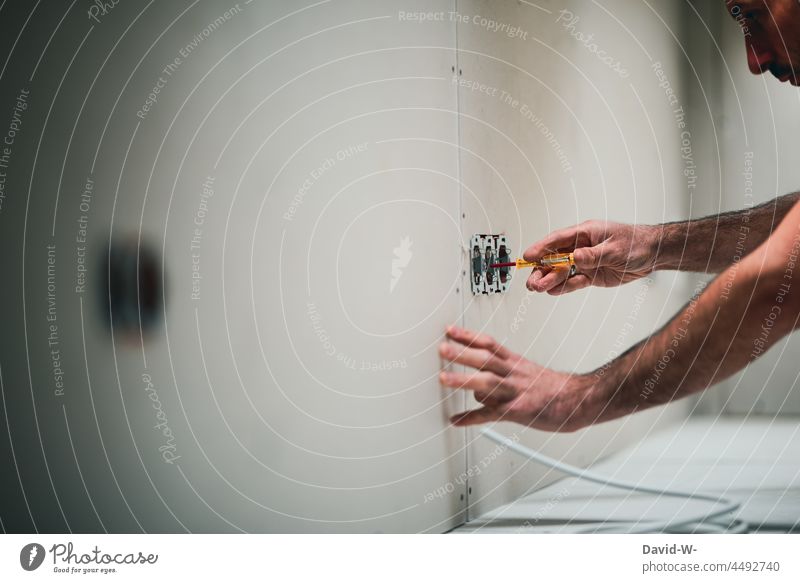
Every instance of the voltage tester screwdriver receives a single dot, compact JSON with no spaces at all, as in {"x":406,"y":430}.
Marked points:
{"x":553,"y":261}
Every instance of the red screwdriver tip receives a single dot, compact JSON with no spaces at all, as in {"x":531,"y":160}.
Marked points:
{"x":512,"y":264}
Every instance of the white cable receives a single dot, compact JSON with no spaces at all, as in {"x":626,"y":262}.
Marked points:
{"x":712,"y":521}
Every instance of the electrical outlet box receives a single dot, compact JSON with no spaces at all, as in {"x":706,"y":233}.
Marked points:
{"x":486,"y":250}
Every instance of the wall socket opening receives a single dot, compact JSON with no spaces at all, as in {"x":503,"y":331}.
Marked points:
{"x":487,"y":250}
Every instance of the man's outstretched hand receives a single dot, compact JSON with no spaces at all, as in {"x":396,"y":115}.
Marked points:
{"x":512,"y":388}
{"x":606,"y":255}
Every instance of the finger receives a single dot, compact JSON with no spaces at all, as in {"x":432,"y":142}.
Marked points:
{"x":478,"y":381}
{"x":575,"y":283}
{"x":552,"y":279}
{"x":486,"y":385}
{"x":497,"y":396}
{"x":489,"y":401}
{"x":477,"y":416}
{"x":477,"y":340}
{"x":588,"y":258}
{"x":560,"y":239}
{"x":475,"y":358}
{"x":534,"y":278}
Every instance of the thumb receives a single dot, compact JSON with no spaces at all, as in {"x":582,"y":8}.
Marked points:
{"x":587,"y":258}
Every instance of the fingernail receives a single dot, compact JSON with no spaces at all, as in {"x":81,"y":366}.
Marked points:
{"x":443,"y":376}
{"x":444,"y":349}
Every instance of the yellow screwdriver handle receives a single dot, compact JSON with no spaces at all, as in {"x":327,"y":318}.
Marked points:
{"x":554,"y":260}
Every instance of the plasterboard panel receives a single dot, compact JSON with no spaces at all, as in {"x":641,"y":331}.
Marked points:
{"x":291,"y":159}
{"x":552,"y":136}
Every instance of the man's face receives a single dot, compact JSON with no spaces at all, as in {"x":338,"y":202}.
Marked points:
{"x":772,"y":36}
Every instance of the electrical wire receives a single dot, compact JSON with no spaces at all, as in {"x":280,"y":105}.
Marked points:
{"x":713,"y":521}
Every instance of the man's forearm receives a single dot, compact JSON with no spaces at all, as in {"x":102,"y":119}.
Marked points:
{"x":712,"y":243}
{"x":715,"y":335}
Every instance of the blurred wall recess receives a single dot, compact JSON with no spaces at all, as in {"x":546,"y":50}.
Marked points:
{"x":132,"y":289}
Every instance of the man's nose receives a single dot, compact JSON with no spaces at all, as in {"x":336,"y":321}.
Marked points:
{"x":758,"y":59}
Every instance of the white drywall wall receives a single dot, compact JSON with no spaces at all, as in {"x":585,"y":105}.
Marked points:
{"x":294,"y":367}
{"x":557,"y":136}
{"x":298,"y":172}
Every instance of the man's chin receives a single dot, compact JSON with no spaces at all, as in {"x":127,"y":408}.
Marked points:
{"x":790,"y":77}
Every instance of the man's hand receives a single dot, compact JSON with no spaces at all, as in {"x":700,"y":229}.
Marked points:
{"x":512,"y":388}
{"x":606,"y":255}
